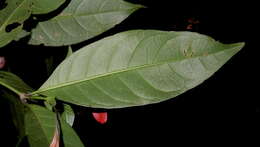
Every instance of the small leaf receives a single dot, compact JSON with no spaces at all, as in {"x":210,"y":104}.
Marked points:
{"x":100,"y":117}
{"x":16,"y":12}
{"x":81,"y":20}
{"x":137,"y":68}
{"x":14,"y":83}
{"x":68,"y":115}
{"x":46,"y":6}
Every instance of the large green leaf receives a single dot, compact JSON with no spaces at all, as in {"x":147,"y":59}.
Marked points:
{"x":45,"y":6}
{"x":81,"y":20}
{"x":16,"y":11}
{"x":137,"y":68}
{"x":14,"y":83}
{"x":40,"y":127}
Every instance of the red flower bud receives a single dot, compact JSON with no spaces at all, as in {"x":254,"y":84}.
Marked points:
{"x":100,"y":117}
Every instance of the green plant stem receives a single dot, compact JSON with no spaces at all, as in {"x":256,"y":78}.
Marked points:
{"x":38,"y":98}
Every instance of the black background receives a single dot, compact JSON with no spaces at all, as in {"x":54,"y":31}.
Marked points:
{"x":196,"y":116}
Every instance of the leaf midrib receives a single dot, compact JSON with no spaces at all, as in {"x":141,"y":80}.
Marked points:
{"x":126,"y":70}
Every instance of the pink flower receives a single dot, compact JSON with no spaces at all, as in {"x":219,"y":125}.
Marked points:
{"x":56,"y":139}
{"x":2,"y":62}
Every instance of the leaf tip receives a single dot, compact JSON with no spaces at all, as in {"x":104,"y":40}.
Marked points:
{"x":138,"y":6}
{"x":141,"y":6}
{"x":238,"y":46}
{"x":241,"y":44}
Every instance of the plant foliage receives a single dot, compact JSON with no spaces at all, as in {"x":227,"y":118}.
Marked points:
{"x":131,"y":68}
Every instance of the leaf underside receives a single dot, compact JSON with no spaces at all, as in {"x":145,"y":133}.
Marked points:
{"x":136,"y":68}
{"x":16,"y":11}
{"x":81,"y":20}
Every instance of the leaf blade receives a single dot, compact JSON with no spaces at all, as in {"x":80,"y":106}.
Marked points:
{"x":40,"y":126}
{"x":17,"y":11}
{"x":70,"y":138}
{"x":81,"y":20}
{"x":68,"y":115}
{"x":14,"y":83}
{"x":144,"y":67}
